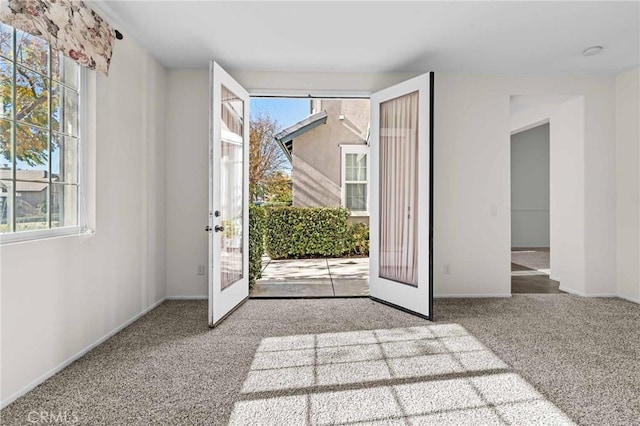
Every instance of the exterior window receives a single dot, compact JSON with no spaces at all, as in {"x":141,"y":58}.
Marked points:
{"x":355,"y":178}
{"x":39,"y":136}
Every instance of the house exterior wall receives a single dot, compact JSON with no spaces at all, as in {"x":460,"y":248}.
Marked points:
{"x":316,"y":156}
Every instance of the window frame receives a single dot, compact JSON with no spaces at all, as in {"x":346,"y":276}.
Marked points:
{"x":39,"y":234}
{"x":353,"y":149}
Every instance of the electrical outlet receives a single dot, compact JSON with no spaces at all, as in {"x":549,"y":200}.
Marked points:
{"x":200,"y":269}
{"x":447,"y":268}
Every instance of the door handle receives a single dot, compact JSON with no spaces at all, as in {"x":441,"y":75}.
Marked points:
{"x":218,"y":228}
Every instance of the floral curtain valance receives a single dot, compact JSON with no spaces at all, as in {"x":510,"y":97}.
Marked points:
{"x":68,"y":26}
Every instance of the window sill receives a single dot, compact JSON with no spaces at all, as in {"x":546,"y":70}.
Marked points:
{"x":359,"y":214}
{"x":41,"y":234}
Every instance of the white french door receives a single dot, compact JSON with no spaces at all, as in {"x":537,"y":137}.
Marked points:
{"x":228,"y":195}
{"x":401,"y":142}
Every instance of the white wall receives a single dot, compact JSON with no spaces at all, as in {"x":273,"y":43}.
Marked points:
{"x":530,"y":172}
{"x":568,"y":192}
{"x":628,"y":183}
{"x":471,"y":186}
{"x":61,"y":295}
{"x":472,"y":174}
{"x":187,"y":181}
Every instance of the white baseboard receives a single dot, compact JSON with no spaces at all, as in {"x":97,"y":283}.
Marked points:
{"x":571,"y":291}
{"x":469,"y":296}
{"x":187,"y":297}
{"x":581,"y":294}
{"x":630,"y":299}
{"x":78,"y":355}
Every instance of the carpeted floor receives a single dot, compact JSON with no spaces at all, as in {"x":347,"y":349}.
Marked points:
{"x":525,"y":360}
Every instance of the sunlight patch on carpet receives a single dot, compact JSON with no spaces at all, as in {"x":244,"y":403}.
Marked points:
{"x":436,"y":374}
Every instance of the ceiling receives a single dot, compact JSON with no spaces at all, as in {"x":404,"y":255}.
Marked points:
{"x":479,"y":37}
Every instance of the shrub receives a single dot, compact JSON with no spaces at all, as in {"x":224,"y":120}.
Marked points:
{"x":300,"y":232}
{"x":359,"y":239}
{"x":257,"y":222}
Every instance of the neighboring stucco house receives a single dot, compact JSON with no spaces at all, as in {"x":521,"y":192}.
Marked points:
{"x":31,"y":193}
{"x":329,"y":155}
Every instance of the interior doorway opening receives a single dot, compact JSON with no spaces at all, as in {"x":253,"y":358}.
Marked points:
{"x":530,"y":211}
{"x":310,"y":175}
{"x":547,"y":193}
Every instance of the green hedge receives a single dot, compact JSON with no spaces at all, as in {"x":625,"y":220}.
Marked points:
{"x":302,"y":232}
{"x":359,"y":239}
{"x":257,"y":223}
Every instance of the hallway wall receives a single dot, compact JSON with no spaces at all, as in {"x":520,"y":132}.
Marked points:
{"x":530,"y":188}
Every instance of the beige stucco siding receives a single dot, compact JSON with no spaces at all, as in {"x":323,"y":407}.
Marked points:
{"x":316,"y":154}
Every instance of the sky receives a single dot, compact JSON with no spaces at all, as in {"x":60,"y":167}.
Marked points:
{"x":286,"y":111}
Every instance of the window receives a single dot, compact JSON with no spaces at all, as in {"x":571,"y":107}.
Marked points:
{"x":39,"y":137}
{"x":355,"y":178}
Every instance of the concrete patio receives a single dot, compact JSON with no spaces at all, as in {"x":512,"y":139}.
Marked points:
{"x":343,"y":277}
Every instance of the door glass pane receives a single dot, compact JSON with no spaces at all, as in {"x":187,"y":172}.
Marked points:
{"x":231,"y":188}
{"x":399,"y":189}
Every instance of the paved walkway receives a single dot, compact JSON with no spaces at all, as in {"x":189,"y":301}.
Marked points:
{"x":313,"y":278}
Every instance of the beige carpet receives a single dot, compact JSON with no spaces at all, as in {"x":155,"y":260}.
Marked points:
{"x":535,"y":359}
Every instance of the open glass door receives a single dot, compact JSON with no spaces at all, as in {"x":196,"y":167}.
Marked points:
{"x":228,"y":195}
{"x":401,"y":196}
